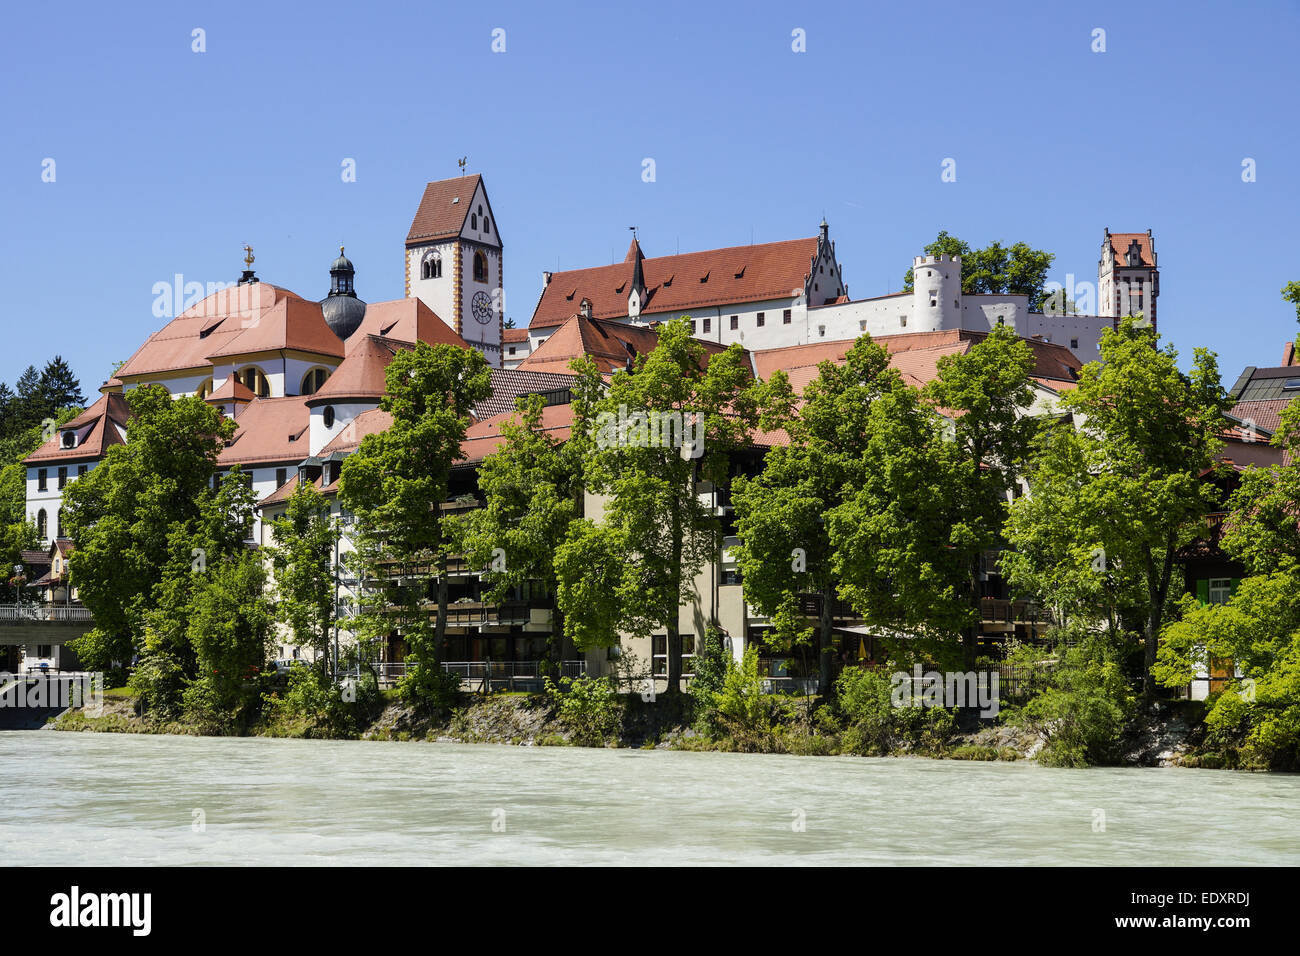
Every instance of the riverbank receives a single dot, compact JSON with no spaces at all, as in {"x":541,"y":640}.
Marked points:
{"x":1167,"y":737}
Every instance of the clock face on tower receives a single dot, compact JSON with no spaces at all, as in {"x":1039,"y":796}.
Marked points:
{"x":482,"y":307}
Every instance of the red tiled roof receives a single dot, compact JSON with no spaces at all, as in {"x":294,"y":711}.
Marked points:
{"x":915,"y":355}
{"x":98,"y":430}
{"x":608,"y":344}
{"x":407,"y":320}
{"x":443,"y":209}
{"x":682,"y":282}
{"x":1119,"y":243}
{"x":283,"y":493}
{"x":289,"y":324}
{"x":1267,"y":415}
{"x":485,"y":437}
{"x":231,"y":390}
{"x":514,"y":335}
{"x":201,"y":330}
{"x":362,"y":375}
{"x":270,"y":430}
{"x":367,"y":423}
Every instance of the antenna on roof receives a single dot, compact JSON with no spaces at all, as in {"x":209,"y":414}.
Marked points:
{"x":461,"y":162}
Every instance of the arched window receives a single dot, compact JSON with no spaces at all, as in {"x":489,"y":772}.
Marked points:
{"x":42,"y":524}
{"x":253,"y":380}
{"x":205,"y":389}
{"x":313,"y":380}
{"x":431,"y":267}
{"x":480,"y":267}
{"x":473,"y":220}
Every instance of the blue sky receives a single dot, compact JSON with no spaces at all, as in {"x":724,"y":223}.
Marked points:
{"x":168,"y":160}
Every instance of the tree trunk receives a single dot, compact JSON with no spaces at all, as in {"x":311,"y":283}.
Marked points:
{"x":440,"y":623}
{"x":970,"y":638}
{"x":824,"y":645}
{"x":674,"y":637}
{"x":1157,"y":591}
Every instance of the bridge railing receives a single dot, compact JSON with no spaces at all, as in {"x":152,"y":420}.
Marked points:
{"x":45,"y":613}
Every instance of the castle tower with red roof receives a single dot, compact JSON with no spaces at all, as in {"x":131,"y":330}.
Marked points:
{"x":1128,"y":279}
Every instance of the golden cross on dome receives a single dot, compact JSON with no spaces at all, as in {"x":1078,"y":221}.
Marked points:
{"x":248,"y":255}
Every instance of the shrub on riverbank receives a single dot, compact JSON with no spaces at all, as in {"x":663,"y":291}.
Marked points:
{"x":588,"y":708}
{"x":1084,"y":708}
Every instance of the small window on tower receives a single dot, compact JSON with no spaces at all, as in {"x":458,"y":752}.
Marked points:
{"x":480,"y":267}
{"x":473,"y":220}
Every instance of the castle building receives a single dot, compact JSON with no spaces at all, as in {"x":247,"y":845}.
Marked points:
{"x":788,"y":293}
{"x":453,"y":262}
{"x":747,"y":294}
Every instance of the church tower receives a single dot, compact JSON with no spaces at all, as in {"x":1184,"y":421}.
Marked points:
{"x":453,"y":262}
{"x":1128,"y":279}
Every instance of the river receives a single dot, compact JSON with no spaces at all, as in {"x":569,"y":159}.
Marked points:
{"x":92,"y":799}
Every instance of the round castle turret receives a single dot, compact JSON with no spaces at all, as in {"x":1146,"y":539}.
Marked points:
{"x":936,"y":293}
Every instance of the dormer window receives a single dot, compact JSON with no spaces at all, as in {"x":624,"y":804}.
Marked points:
{"x":69,"y":439}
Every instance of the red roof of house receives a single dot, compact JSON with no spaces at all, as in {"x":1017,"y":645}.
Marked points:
{"x":270,"y":430}
{"x":610,"y":344}
{"x":362,"y":375}
{"x":680,"y":283}
{"x":485,"y":437}
{"x":349,"y":439}
{"x":201,"y":330}
{"x":97,"y":429}
{"x":291,"y":323}
{"x":443,"y":209}
{"x":240,"y":320}
{"x":231,"y":390}
{"x":514,"y":335}
{"x":1267,"y":415}
{"x":407,"y":320}
{"x":915,"y":355}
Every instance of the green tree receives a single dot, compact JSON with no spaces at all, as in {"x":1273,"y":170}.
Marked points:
{"x":58,"y":387}
{"x":126,"y":514}
{"x":302,"y":564}
{"x":230,"y":627}
{"x":1291,"y":293}
{"x":996,"y":269}
{"x":1148,"y":433}
{"x":395,"y":483}
{"x":1258,"y":633}
{"x":785,"y":547}
{"x":656,"y":507}
{"x":986,"y":392}
{"x":533,"y":489}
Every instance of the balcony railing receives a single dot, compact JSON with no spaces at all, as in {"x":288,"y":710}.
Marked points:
{"x":999,"y":611}
{"x":45,"y":613}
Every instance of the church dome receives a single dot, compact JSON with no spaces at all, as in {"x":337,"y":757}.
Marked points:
{"x":342,"y":309}
{"x":343,"y":313}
